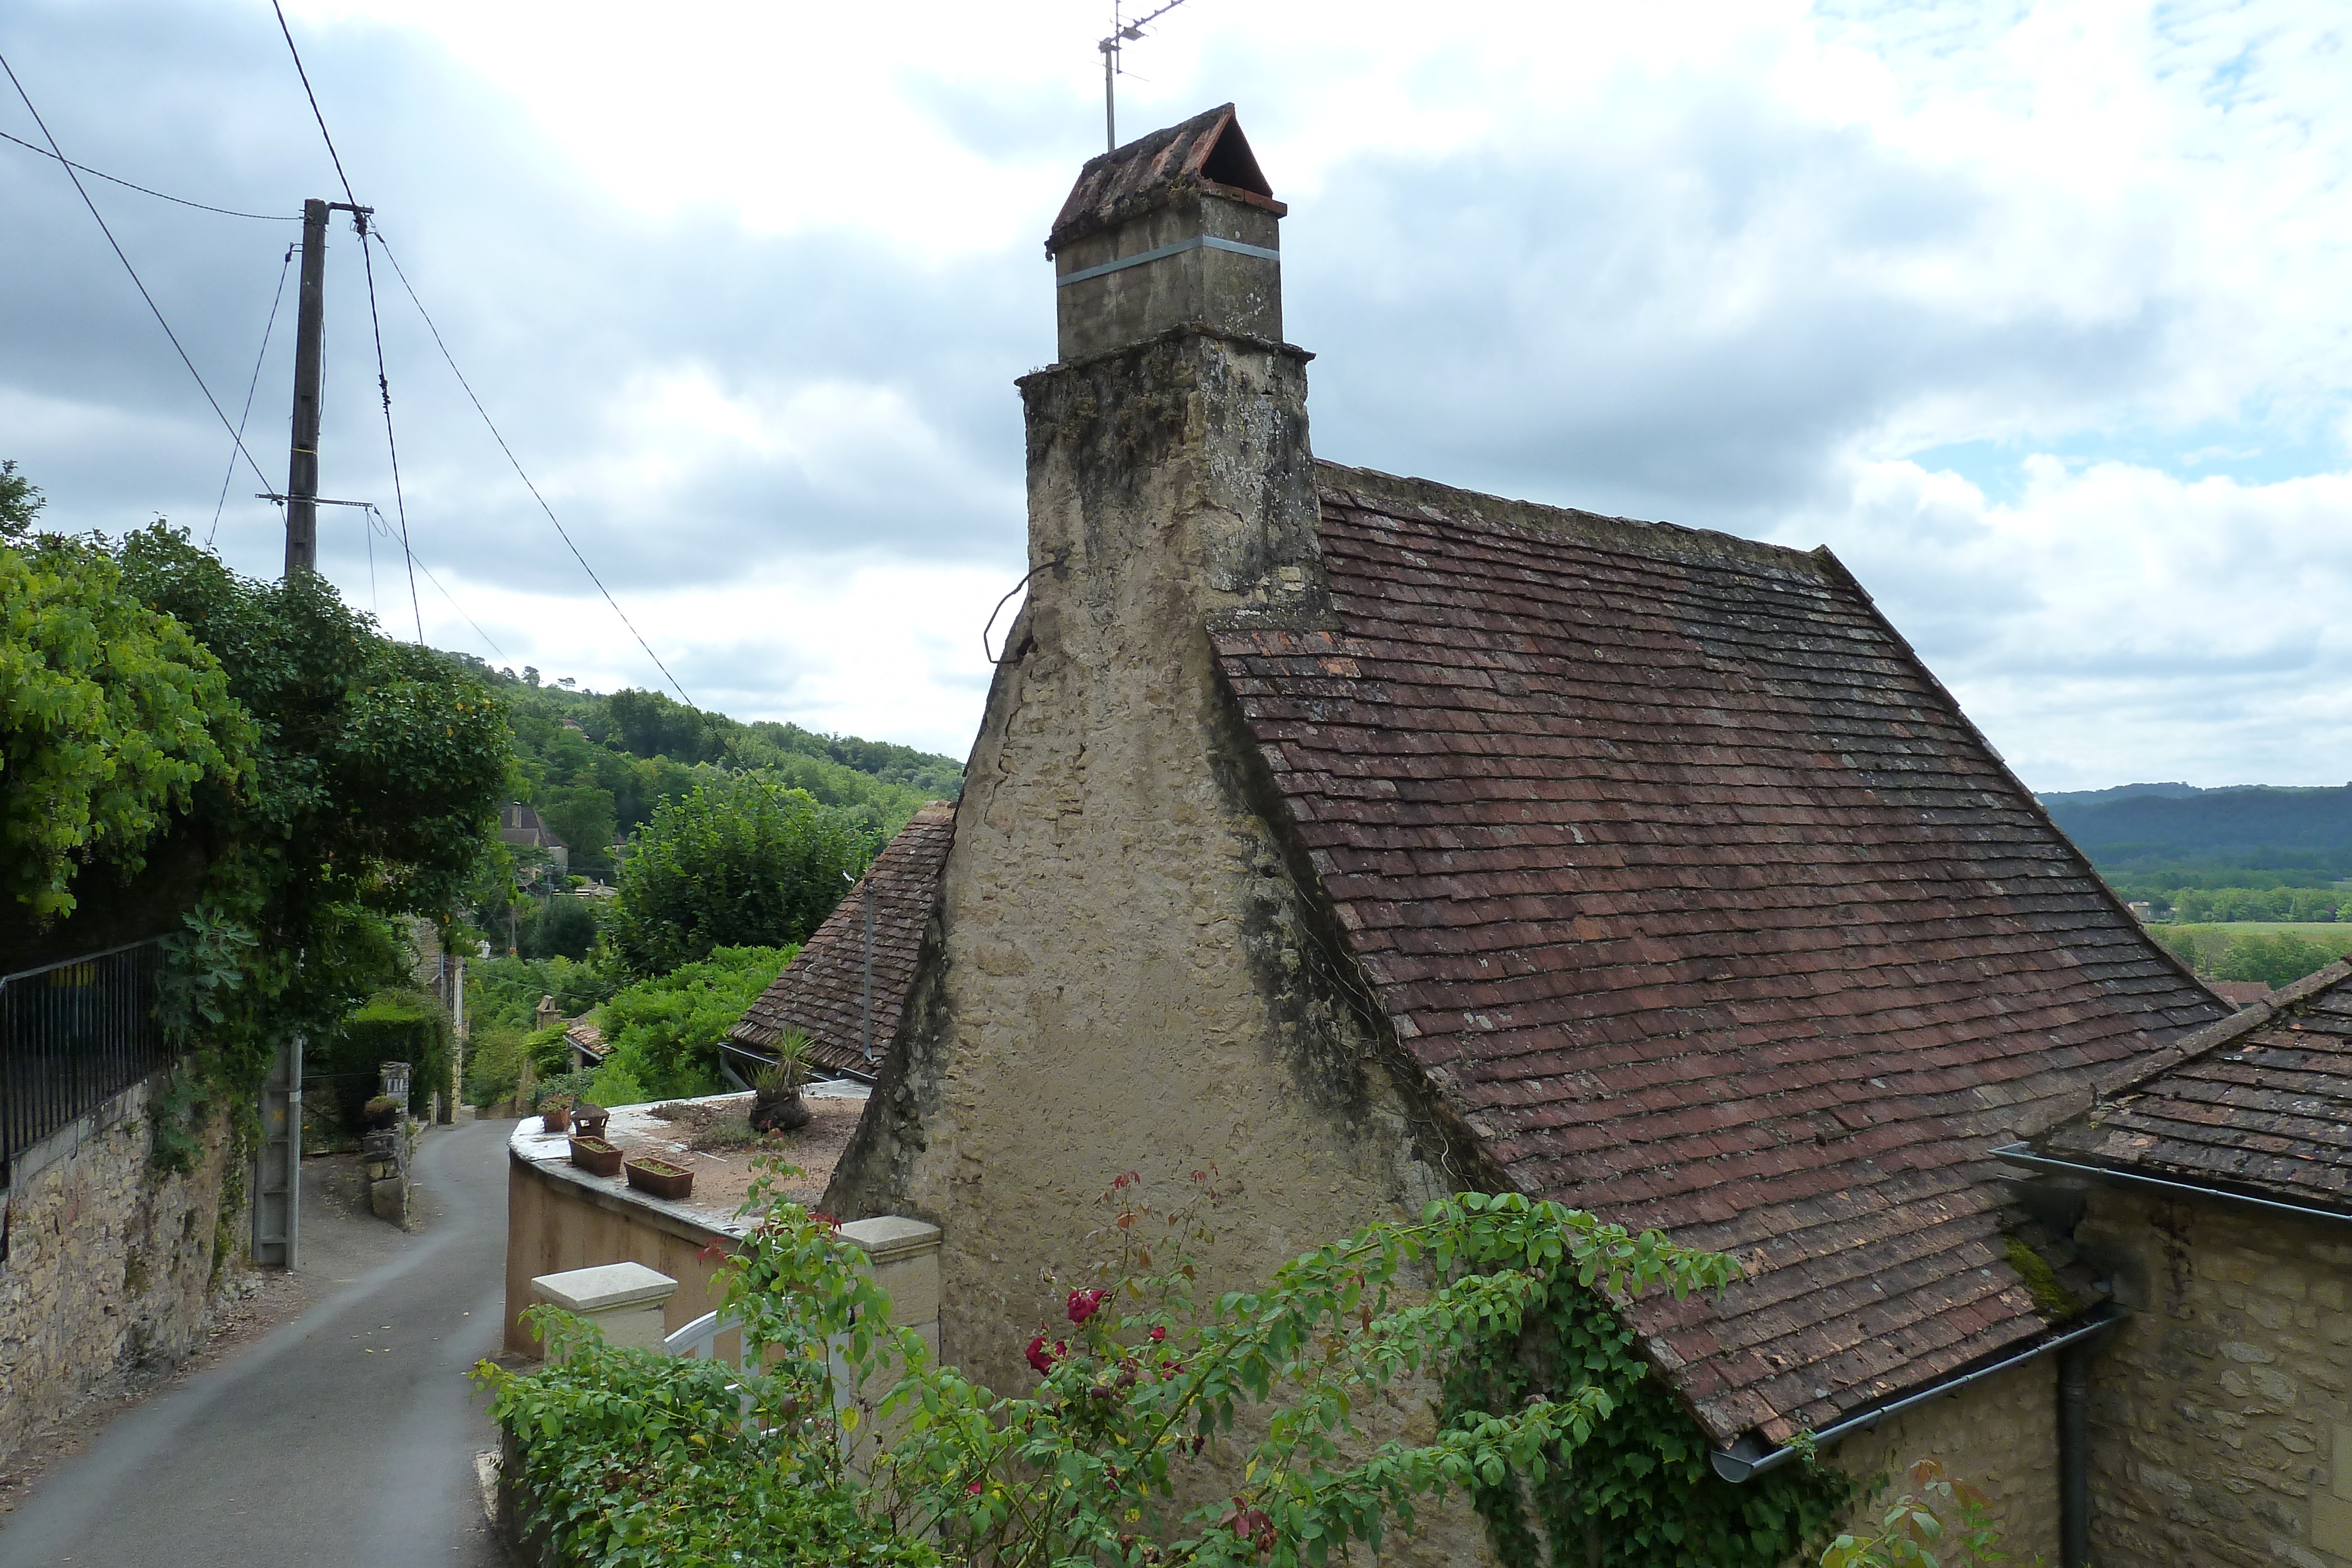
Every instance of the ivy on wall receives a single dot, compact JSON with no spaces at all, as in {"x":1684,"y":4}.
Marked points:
{"x":1639,"y":1490}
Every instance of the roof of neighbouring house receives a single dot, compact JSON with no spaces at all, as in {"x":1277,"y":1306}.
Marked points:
{"x":2259,"y":1106}
{"x":520,"y":824}
{"x":820,"y":992}
{"x":2239,"y":993}
{"x":588,"y":1036}
{"x":1699,"y":899}
{"x":1207,"y":152}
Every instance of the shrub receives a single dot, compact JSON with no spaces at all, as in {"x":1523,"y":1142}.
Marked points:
{"x":493,"y":1064}
{"x":394,"y":1026}
{"x":664,"y":1032}
{"x":1134,"y":1386}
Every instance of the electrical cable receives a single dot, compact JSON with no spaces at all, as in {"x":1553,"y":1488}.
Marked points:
{"x":436,"y":582}
{"x":230,"y":473}
{"x":324,"y":134}
{"x":377,"y":233}
{"x":235,"y":435}
{"x":159,"y":195}
{"x":367,"y":256}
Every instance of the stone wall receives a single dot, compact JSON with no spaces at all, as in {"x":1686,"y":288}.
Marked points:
{"x":108,"y":1265}
{"x":2222,"y":1411}
{"x":2000,"y":1435}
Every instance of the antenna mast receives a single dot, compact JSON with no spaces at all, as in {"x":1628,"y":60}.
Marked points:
{"x":1121,"y":32}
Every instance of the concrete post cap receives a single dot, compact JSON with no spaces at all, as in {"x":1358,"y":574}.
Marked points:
{"x":888,"y":1237}
{"x":601,"y":1289}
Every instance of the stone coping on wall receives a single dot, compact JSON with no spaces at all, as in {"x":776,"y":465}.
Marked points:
{"x":637,"y":1129}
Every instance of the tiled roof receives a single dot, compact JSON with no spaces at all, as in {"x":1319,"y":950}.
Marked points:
{"x":2261,"y":1106}
{"x":820,"y":992}
{"x":585,"y":1034}
{"x":1207,"y":151}
{"x":2239,"y":993}
{"x":1697,"y":896}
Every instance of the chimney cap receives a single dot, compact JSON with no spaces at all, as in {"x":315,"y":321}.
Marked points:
{"x":1207,"y":153}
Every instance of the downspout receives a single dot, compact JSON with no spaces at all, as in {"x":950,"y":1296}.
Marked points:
{"x":1736,"y":1469}
{"x":2074,"y":1456}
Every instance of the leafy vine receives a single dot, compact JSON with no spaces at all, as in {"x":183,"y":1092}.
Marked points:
{"x":1641,"y":1491}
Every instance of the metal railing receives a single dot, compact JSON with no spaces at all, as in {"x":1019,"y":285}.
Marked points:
{"x":73,"y":1035}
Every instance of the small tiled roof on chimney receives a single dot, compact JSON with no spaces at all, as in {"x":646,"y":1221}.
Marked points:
{"x":2259,"y":1106}
{"x":1207,"y":153}
{"x":1704,"y":908}
{"x":820,"y":992}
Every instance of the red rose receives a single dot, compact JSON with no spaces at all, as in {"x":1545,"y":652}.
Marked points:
{"x":1158,"y":1333}
{"x":1085,"y":1304}
{"x":1038,"y":1357}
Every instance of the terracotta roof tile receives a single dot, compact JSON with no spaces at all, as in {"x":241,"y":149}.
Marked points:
{"x":821,"y":990}
{"x":2262,"y":1108}
{"x":1667,"y":859}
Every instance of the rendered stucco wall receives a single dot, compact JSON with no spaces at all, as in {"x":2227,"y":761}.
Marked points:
{"x":2222,"y":1412}
{"x":1125,"y":977}
{"x":109,"y":1265}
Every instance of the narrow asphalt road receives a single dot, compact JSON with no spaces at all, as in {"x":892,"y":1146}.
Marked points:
{"x":346,"y":1436}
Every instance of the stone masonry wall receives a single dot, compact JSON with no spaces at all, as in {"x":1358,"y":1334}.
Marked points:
{"x":2000,"y":1435}
{"x":109,"y":1265}
{"x":2222,"y":1411}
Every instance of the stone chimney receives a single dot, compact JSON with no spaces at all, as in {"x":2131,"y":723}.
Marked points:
{"x":1120,"y":957}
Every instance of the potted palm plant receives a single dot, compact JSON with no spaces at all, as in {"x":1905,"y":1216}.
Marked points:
{"x":776,"y":1103}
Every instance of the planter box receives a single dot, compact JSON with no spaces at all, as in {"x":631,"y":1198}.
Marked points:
{"x":596,"y":1157}
{"x":555,"y":1119}
{"x":658,"y":1178}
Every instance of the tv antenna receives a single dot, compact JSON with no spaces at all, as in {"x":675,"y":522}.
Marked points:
{"x":1121,"y":34}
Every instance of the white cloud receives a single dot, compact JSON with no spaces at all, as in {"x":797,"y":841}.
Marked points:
{"x":2032,"y":309}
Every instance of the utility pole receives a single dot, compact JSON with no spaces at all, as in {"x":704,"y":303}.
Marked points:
{"x":302,"y":496}
{"x":302,"y":466}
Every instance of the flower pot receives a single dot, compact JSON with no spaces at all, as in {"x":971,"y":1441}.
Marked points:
{"x":596,"y":1157}
{"x":783,"y":1114}
{"x":589,"y":1119}
{"x":555,"y":1119}
{"x":659,"y":1178}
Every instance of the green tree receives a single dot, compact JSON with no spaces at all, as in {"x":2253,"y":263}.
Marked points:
{"x":582,"y":816}
{"x":377,"y":768}
{"x":111,"y":718}
{"x":2275,"y":960}
{"x":19,"y":502}
{"x":737,"y":863}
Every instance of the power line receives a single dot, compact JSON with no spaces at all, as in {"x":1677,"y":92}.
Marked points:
{"x":416,"y":566}
{"x":384,"y":385}
{"x":230,"y":473}
{"x":437,"y":342}
{"x":323,"y":134}
{"x":235,"y":435}
{"x":159,"y":195}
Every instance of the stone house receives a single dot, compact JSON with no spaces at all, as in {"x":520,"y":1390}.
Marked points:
{"x":2214,"y":1185}
{"x":1372,"y":840}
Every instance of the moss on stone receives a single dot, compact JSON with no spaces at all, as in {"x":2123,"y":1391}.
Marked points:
{"x":2050,"y":1299}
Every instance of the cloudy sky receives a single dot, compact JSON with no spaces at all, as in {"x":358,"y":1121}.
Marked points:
{"x":2036,"y":314}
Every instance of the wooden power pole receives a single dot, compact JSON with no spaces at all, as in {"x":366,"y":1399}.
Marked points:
{"x":302,"y":465}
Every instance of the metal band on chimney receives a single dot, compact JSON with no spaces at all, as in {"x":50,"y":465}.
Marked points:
{"x":1196,"y":243}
